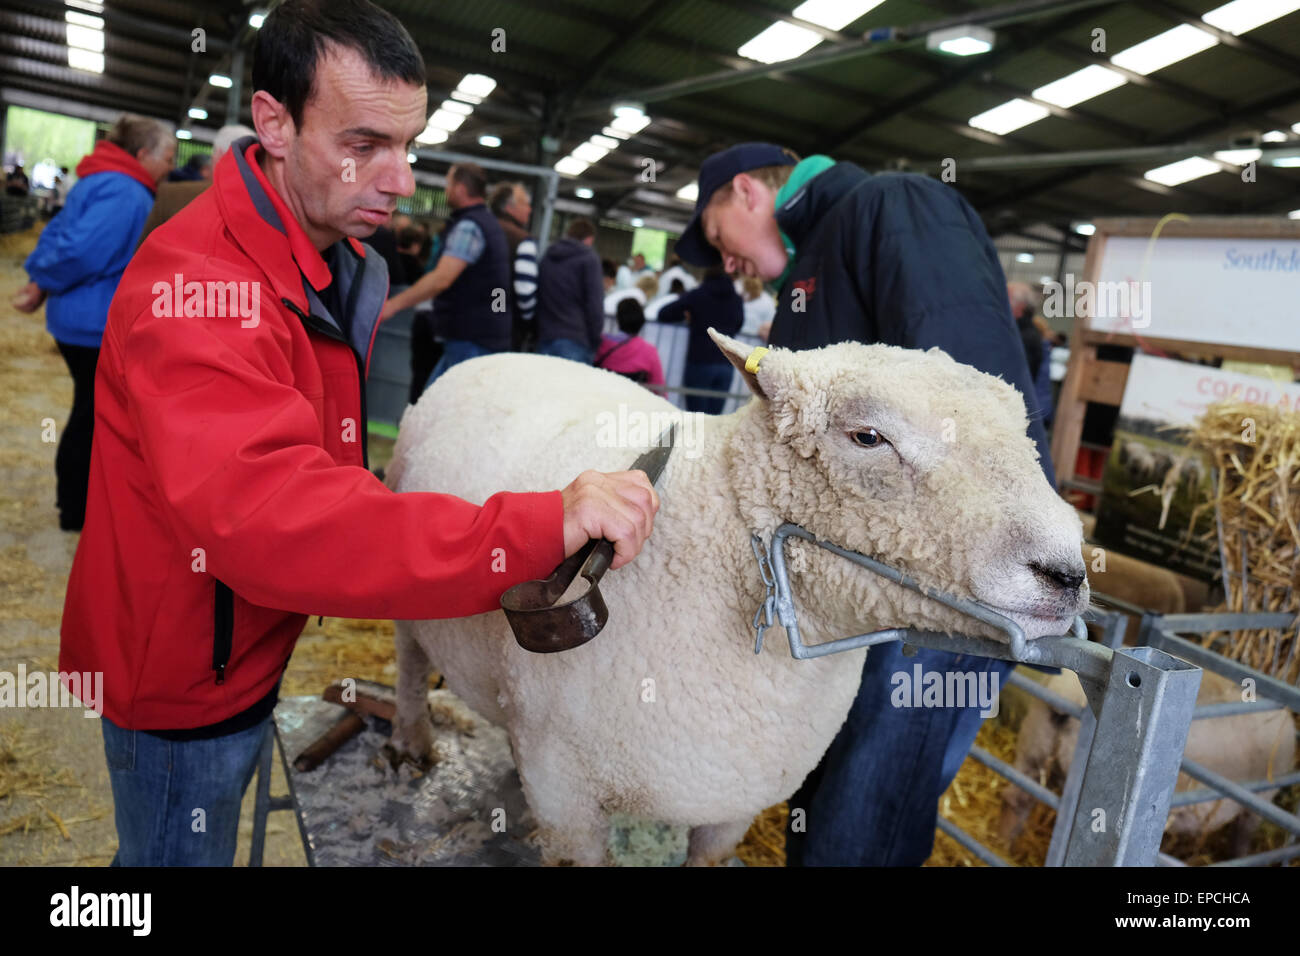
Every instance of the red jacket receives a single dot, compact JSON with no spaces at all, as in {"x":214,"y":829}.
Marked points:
{"x":229,"y":497}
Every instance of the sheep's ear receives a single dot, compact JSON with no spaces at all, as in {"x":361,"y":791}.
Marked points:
{"x":738,"y":354}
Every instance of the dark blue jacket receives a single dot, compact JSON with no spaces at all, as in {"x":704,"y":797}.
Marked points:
{"x":714,"y":302}
{"x":570,"y":294}
{"x":899,"y":259}
{"x":477,"y":306}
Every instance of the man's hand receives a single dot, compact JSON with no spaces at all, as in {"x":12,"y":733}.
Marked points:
{"x":28,"y":298}
{"x":620,"y":506}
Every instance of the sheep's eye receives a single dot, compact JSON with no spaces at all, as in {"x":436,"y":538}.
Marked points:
{"x":870,"y":438}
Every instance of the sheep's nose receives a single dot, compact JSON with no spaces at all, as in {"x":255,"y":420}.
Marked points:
{"x":1059,"y":576}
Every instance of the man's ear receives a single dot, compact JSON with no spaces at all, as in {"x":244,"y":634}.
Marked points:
{"x":274,"y":125}
{"x":738,"y":354}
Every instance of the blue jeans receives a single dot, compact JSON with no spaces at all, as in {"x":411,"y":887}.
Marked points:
{"x":715,"y":376}
{"x":566,"y":348}
{"x":873,"y":800}
{"x":455,"y":351}
{"x":159,"y":787}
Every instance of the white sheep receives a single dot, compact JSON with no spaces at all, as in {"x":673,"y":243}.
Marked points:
{"x":1249,"y":746}
{"x":668,"y":714}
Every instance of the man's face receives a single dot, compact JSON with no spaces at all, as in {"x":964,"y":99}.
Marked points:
{"x":742,"y":227}
{"x":157,"y":165}
{"x":400,"y":222}
{"x":521,"y":206}
{"x":345,"y":164}
{"x":638,"y":261}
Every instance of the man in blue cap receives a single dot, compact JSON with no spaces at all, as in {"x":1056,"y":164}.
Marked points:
{"x":898,"y":259}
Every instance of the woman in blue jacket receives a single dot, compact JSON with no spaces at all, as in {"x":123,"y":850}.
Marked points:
{"x":78,"y":262}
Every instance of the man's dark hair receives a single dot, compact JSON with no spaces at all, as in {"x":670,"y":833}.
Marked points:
{"x":199,"y":162}
{"x":410,"y":236}
{"x":678,"y":287}
{"x":297,"y":33}
{"x":471,"y":176}
{"x":609,"y":268}
{"x":630,"y":315}
{"x":580,"y":229}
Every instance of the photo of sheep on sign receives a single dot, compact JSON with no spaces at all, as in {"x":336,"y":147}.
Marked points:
{"x":668,"y":714}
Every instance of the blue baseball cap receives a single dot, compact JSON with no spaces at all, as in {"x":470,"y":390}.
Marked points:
{"x":715,"y":172}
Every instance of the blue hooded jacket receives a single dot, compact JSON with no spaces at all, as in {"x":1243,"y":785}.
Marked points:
{"x":84,"y":250}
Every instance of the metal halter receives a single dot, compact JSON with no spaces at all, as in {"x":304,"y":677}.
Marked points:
{"x":779,"y":598}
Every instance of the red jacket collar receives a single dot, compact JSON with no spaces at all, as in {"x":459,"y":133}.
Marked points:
{"x":264,"y":227}
{"x":108,"y":157}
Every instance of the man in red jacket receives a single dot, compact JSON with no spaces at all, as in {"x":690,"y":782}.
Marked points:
{"x":229,"y":495}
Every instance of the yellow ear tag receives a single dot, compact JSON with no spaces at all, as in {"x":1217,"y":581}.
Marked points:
{"x":756,"y":356}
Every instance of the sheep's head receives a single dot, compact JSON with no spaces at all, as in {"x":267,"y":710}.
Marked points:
{"x":919,"y":461}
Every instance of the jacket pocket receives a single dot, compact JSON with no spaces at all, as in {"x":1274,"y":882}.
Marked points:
{"x":223,"y":629}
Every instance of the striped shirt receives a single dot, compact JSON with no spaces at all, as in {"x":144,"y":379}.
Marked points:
{"x":526,"y":278}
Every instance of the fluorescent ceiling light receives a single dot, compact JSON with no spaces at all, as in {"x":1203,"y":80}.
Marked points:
{"x":780,"y":41}
{"x":94,"y":6}
{"x":638,"y":222}
{"x":1185,"y":170}
{"x":255,"y":20}
{"x":490,"y":141}
{"x":456,"y":106}
{"x":85,"y":38}
{"x":589,"y":152}
{"x":1275,"y":136}
{"x":690,"y":192}
{"x":967,"y":40}
{"x":196,"y":113}
{"x":1287,"y":162}
{"x":1293,"y":214}
{"x":1079,"y":86}
{"x":83,"y":20}
{"x":1085,"y":228}
{"x":615,"y":133}
{"x":630,"y":124}
{"x":608,"y":142}
{"x":476,"y":84}
{"x":582,"y":192}
{"x":1242,"y":15}
{"x":1164,"y":48}
{"x":1238,"y":157}
{"x":463,"y":97}
{"x":834,"y":14}
{"x":1025,"y":257}
{"x":221,"y":80}
{"x":1011,"y":115}
{"x":571,"y":167}
{"x":87,"y":60}
{"x":628,"y":109}
{"x":1295,"y":127}
{"x":446,"y":120}
{"x":184,"y":134}
{"x":432,"y":135}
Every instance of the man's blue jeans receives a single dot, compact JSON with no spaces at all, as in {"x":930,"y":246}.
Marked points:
{"x":176,"y":803}
{"x":566,"y":348}
{"x":873,"y":800}
{"x":455,"y":351}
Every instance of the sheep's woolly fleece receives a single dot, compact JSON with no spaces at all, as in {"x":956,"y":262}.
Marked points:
{"x":668,"y":713}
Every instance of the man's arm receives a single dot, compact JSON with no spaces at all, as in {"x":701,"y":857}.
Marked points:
{"x":430,"y":285}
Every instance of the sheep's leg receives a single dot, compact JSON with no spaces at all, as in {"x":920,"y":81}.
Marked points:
{"x":715,"y":842}
{"x":413,"y":728}
{"x":572,"y":828}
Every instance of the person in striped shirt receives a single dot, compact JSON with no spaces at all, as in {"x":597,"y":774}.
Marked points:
{"x":513,"y":207}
